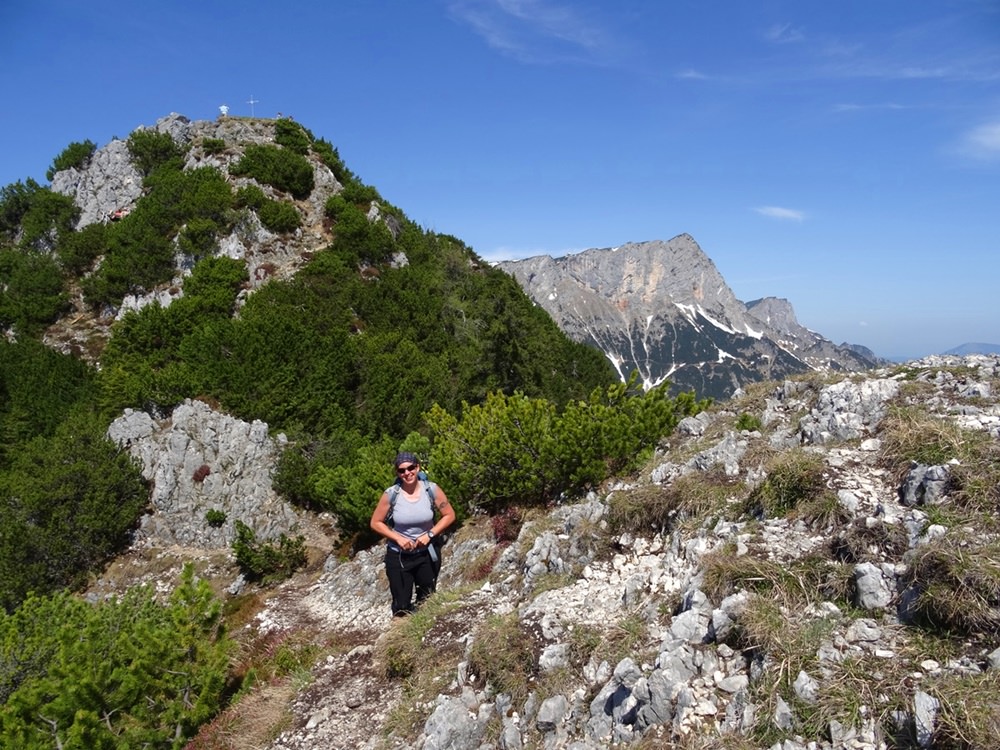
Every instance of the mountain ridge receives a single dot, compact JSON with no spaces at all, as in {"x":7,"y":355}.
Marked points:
{"x":662,"y":308}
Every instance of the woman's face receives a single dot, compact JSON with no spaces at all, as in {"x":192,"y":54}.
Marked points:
{"x":407,"y":471}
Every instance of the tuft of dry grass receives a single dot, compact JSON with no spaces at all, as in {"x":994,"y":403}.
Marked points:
{"x":863,"y":542}
{"x":422,"y":650}
{"x":795,"y":585}
{"x":822,"y":511}
{"x":504,"y":655}
{"x":969,"y":714}
{"x":957,"y":580}
{"x":656,"y":509}
{"x":910,"y":434}
{"x":793,"y":477}
{"x":627,"y":637}
{"x":253,"y":723}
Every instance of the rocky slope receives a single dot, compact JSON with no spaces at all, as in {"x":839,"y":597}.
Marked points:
{"x":675,"y":608}
{"x":664,"y":310}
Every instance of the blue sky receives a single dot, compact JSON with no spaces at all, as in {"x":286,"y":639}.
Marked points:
{"x":843,"y":155}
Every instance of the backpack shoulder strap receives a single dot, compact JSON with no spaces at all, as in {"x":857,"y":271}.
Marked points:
{"x":393,"y":493}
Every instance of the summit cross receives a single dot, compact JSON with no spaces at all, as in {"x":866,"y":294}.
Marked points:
{"x":251,"y":101}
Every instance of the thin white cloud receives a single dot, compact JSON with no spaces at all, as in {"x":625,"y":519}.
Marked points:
{"x":852,"y":107}
{"x":784,"y":33}
{"x":982,"y":142}
{"x":535,"y":31}
{"x":690,"y":74}
{"x":782,"y":214}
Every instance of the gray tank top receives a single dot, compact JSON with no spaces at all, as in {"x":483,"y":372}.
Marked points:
{"x":412,"y":518}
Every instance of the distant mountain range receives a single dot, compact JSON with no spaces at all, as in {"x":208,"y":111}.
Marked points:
{"x":664,"y":310}
{"x":964,"y":349}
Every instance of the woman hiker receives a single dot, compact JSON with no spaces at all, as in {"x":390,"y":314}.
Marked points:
{"x":405,"y":516}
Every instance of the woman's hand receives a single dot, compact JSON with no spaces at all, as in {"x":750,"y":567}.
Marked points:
{"x":406,"y":544}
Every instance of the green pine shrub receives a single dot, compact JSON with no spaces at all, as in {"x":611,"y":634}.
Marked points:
{"x":32,"y":293}
{"x":74,"y":156}
{"x":512,"y":450}
{"x":70,"y":502}
{"x":351,"y":489}
{"x":264,"y":560}
{"x":359,"y":194}
{"x":292,"y":136}
{"x":78,"y":250}
{"x":250,"y":196}
{"x":151,"y":149}
{"x":126,"y":672}
{"x":330,"y":156}
{"x":140,"y":249}
{"x":49,"y":216}
{"x":280,"y":216}
{"x":213,"y":146}
{"x":278,"y":167}
{"x":15,"y":200}
{"x":197,"y":238}
{"x":748,"y":422}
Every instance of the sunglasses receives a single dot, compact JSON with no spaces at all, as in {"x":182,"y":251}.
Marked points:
{"x":404,"y":469}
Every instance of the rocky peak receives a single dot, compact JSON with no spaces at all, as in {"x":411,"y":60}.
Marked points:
{"x":110,"y":183}
{"x":664,"y":310}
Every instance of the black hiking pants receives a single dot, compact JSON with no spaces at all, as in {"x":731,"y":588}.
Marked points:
{"x":406,"y":570}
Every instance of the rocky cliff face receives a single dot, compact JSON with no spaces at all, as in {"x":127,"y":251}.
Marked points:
{"x":664,"y":310}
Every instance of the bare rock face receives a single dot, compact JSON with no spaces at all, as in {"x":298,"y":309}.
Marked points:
{"x":200,"y":460}
{"x":664,"y":310}
{"x":107,"y":184}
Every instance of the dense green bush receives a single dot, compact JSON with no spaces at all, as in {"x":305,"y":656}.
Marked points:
{"x":74,"y":156}
{"x":279,"y":216}
{"x":35,"y":216}
{"x":515,"y":450}
{"x":331,"y":158}
{"x":151,"y":149}
{"x":68,"y":504}
{"x":359,"y":194}
{"x":351,"y":490}
{"x":213,"y":145}
{"x":250,"y":196}
{"x":197,"y":238}
{"x":77,"y":251}
{"x":15,"y":200}
{"x":31,"y":291}
{"x":264,"y":560}
{"x":38,"y":388}
{"x":124,"y":673}
{"x":292,"y":136}
{"x":278,"y":167}
{"x":144,"y":364}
